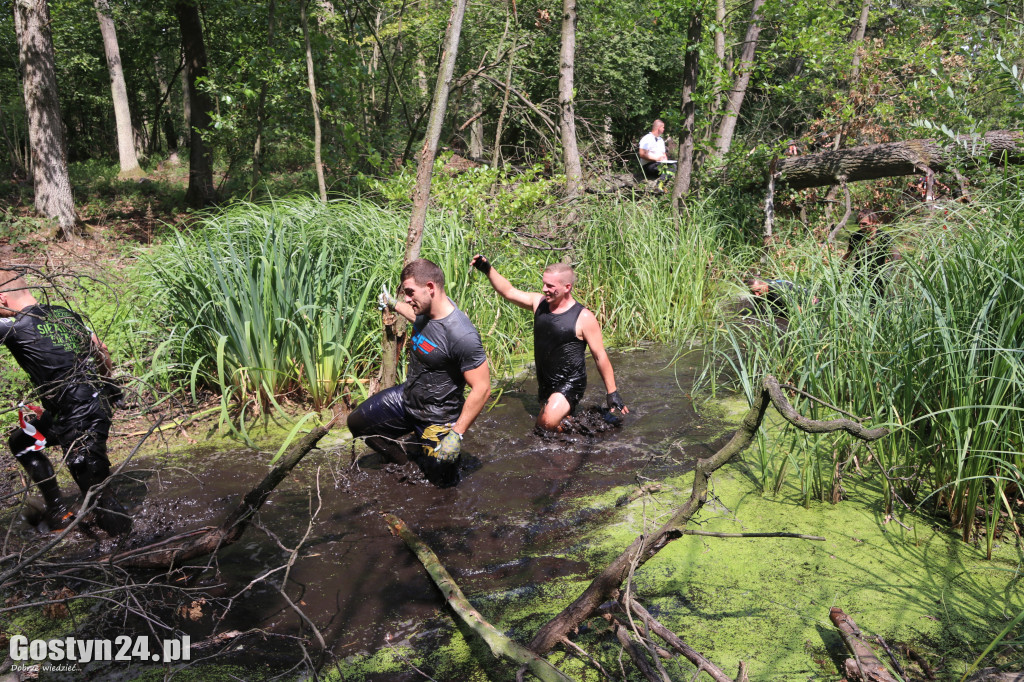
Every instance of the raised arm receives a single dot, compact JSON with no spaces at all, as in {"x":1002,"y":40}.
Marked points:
{"x":100,"y":351}
{"x":591,"y":332}
{"x":523,"y":299}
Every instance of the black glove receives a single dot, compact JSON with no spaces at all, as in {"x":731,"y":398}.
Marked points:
{"x":481,"y":264}
{"x":615,"y":402}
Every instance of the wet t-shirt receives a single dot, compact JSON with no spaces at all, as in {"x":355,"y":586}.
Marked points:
{"x":49,"y":342}
{"x":53,"y":345}
{"x":442,"y":350}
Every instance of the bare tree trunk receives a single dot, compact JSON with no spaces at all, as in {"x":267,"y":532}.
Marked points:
{"x":42,"y":105}
{"x":567,"y":60}
{"x":200,"y":161}
{"x":119,"y":93}
{"x":425,"y":167}
{"x":261,"y":105}
{"x":165,"y":120}
{"x":719,"y":53}
{"x":858,"y":40}
{"x":727,"y":129}
{"x":496,"y":157}
{"x":691,"y":70}
{"x":317,"y":161}
{"x":421,"y":76}
{"x":395,"y":325}
{"x":186,"y":102}
{"x":476,"y":128}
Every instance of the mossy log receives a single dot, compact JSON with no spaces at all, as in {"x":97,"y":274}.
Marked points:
{"x":864,"y":665}
{"x":605,"y":586}
{"x":499,"y":644}
{"x":895,"y":159}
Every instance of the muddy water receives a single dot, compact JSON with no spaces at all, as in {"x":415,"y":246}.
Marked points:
{"x":501,"y":528}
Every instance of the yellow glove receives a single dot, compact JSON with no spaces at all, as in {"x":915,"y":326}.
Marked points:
{"x":443,"y":444}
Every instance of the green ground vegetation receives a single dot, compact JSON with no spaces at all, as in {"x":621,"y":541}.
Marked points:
{"x":764,"y":601}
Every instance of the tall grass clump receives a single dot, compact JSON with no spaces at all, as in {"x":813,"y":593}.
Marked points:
{"x":277,"y":299}
{"x":264,"y":301}
{"x":937,"y":357}
{"x":271,"y":300}
{"x":647,"y":277}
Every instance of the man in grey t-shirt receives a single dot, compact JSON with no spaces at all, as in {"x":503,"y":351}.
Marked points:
{"x":446,"y":356}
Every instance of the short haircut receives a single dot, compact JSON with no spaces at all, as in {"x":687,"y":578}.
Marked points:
{"x":12,"y":281}
{"x":422,"y":271}
{"x":562,"y":269}
{"x":870,"y":217}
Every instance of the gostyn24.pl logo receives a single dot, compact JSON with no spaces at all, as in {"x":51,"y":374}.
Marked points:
{"x":123,"y":648}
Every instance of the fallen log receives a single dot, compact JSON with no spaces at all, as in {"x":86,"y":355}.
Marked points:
{"x":864,"y":665}
{"x":605,"y":586}
{"x":895,"y":159}
{"x":162,"y":555}
{"x":499,"y":644}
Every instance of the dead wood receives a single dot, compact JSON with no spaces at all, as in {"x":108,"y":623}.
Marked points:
{"x":676,"y":642}
{"x":996,"y":675}
{"x":606,"y":585}
{"x":162,"y":555}
{"x":499,"y":644}
{"x":895,"y":159}
{"x":637,"y":656}
{"x":865,"y":665}
{"x":710,"y":534}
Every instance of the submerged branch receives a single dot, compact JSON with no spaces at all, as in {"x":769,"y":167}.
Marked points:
{"x":499,"y":644}
{"x":160,"y":555}
{"x":710,"y":534}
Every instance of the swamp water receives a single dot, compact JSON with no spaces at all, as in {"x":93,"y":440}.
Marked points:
{"x":532,"y":520}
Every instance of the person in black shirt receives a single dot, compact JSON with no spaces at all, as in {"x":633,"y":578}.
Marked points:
{"x":869,"y":250}
{"x":63,"y":360}
{"x":562,"y":330}
{"x":777,"y":294}
{"x":446,"y":355}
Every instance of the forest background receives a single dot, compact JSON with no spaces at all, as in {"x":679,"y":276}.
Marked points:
{"x":225,"y":153}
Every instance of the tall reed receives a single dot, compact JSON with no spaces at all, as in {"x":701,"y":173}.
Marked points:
{"x":937,"y":357}
{"x":271,"y":300}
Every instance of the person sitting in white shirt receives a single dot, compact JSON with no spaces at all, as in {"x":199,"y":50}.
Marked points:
{"x":652,"y":150}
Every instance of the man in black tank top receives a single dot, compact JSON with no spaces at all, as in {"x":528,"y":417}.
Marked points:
{"x":66,"y":363}
{"x":562,"y":330}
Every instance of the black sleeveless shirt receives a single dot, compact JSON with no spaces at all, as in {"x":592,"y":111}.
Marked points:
{"x":561,"y":363}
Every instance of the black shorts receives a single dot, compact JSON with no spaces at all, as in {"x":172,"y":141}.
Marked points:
{"x":572,"y":391}
{"x":383,"y":414}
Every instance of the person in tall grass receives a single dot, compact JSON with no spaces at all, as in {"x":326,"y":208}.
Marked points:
{"x":776,"y":294}
{"x":869,"y":250}
{"x":66,"y":363}
{"x":562,"y":331}
{"x":446,"y":356}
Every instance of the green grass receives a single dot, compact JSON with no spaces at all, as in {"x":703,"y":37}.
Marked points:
{"x":272,"y":300}
{"x":937,"y":359}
